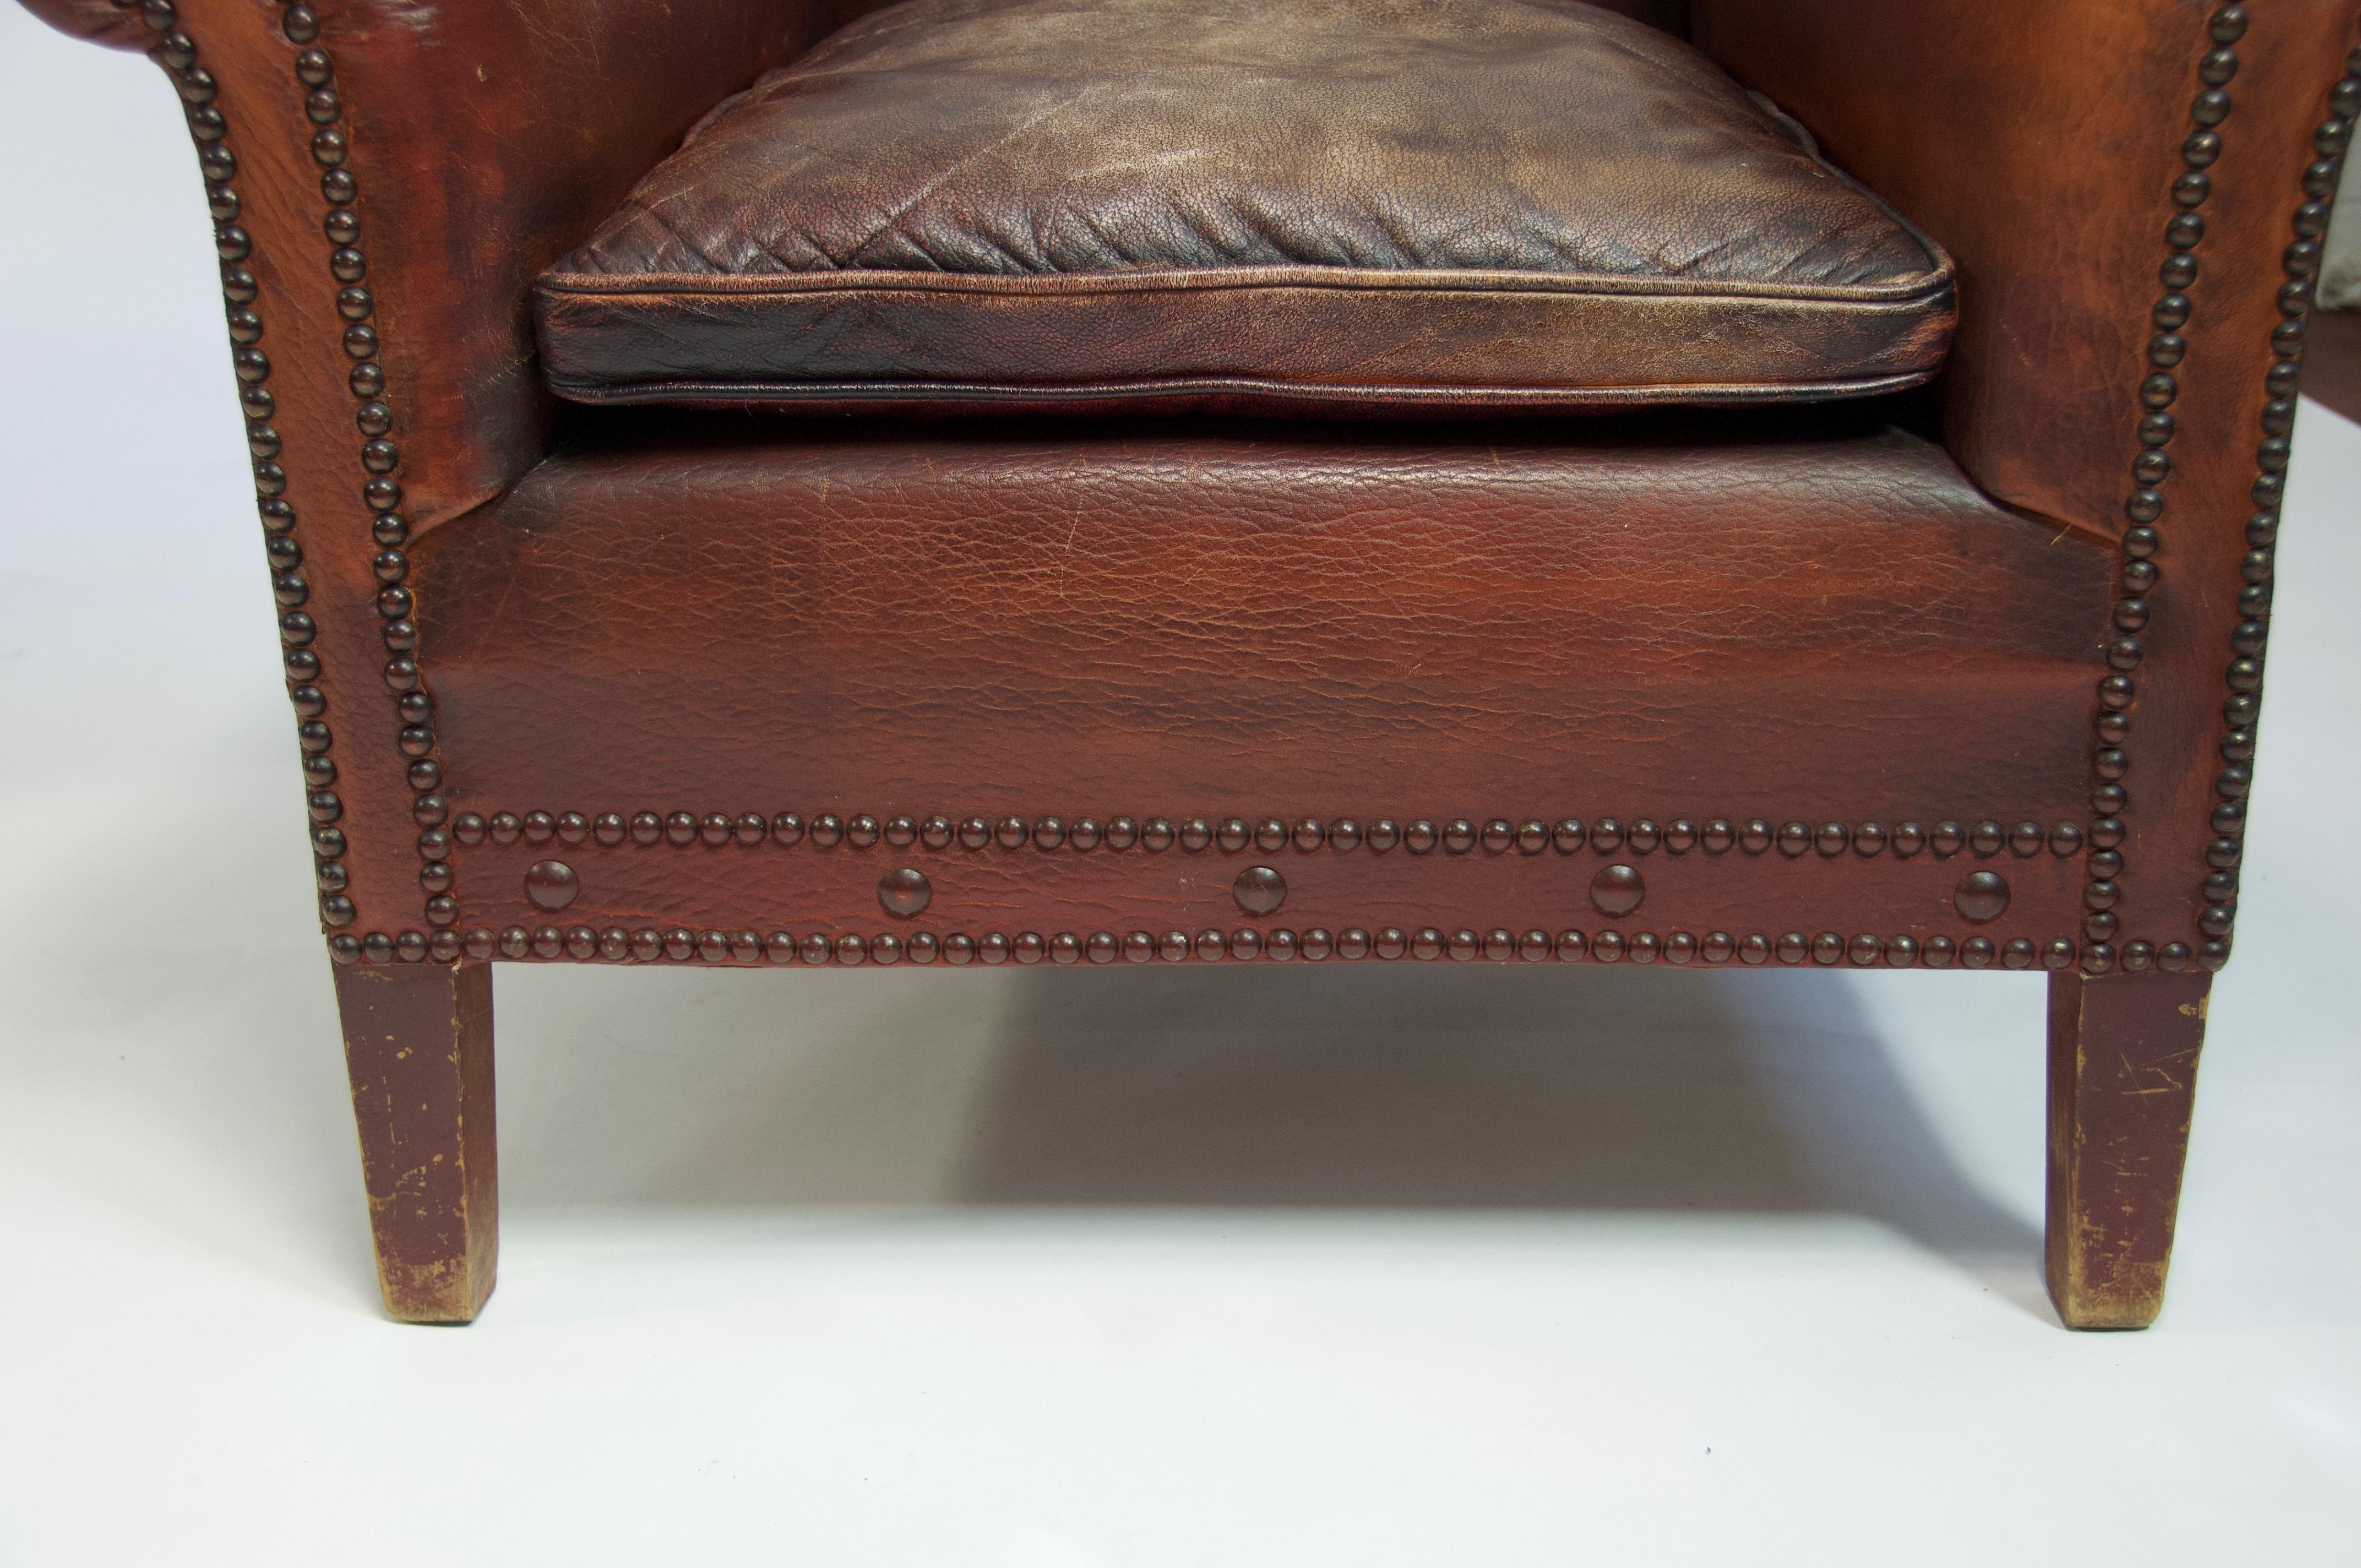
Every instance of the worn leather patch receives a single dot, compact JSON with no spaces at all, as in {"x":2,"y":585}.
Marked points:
{"x":1365,"y":205}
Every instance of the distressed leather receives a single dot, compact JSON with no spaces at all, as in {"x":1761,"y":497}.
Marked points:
{"x":1706,"y":618}
{"x":1364,"y":204}
{"x":2039,"y":144}
{"x":2044,"y":145}
{"x":488,"y":139}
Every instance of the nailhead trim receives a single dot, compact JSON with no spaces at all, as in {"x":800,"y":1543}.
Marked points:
{"x":1270,"y":834}
{"x":2183,"y":233}
{"x":2243,"y":675}
{"x":678,"y":944}
{"x":1498,"y":836}
{"x":379,"y":462}
{"x":177,"y":53}
{"x":381,"y":493}
{"x":379,"y":489}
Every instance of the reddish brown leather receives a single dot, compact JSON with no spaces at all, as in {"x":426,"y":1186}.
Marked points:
{"x":483,"y":139}
{"x":2038,"y":143}
{"x":1403,"y":623}
{"x":1369,"y":202}
{"x":2041,"y":143}
{"x":99,"y":21}
{"x":489,"y":139}
{"x":2287,"y":61}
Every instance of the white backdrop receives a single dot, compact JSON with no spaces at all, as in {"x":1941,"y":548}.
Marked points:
{"x":1169,"y":1267}
{"x":2340,"y":276}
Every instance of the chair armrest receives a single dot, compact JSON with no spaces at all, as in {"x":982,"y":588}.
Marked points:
{"x":2134,"y":192}
{"x":487,"y":140}
{"x":386,"y":178}
{"x":2041,"y":144}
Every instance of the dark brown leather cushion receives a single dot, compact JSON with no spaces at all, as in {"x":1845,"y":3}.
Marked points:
{"x":1368,"y":202}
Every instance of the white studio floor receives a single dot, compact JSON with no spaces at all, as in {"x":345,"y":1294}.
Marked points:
{"x":1131,"y":1269}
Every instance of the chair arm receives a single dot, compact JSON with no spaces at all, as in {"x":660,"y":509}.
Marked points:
{"x":2134,"y":192}
{"x":386,"y":178}
{"x":99,"y":21}
{"x":2041,"y":144}
{"x":486,"y":141}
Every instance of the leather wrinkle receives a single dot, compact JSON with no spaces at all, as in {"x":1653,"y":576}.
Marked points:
{"x":1365,"y":181}
{"x":1251,"y":613}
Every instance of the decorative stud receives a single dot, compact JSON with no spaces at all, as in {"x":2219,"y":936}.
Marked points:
{"x":1616,"y":891}
{"x":1982,"y":897}
{"x":551,"y":884}
{"x":905,"y":893}
{"x":1259,"y":890}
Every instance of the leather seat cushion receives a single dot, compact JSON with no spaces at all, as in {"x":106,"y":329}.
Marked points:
{"x":1371,"y":204}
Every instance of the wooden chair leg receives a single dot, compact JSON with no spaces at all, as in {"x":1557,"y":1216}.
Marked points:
{"x":418,"y":1043}
{"x":2122,"y":1073}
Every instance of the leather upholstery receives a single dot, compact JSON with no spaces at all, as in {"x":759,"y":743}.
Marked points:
{"x":1366,"y":202}
{"x":1701,"y":620}
{"x":2045,"y":145}
{"x":1362,"y":649}
{"x":488,"y":139}
{"x":1985,"y":122}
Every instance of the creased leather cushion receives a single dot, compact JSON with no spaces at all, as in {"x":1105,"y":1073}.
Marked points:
{"x":1374,"y":203}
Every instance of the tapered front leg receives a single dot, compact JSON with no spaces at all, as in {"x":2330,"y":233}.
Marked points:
{"x":418,"y":1043}
{"x":2123,"y":1074}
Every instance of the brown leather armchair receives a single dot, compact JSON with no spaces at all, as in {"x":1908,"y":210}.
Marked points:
{"x":1246,"y":485}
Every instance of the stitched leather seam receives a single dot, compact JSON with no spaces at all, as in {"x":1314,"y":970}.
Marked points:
{"x":1208,"y":280}
{"x":577,"y":390}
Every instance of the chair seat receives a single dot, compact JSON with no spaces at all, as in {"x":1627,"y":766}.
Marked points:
{"x":1702,"y":617}
{"x":1258,"y":205}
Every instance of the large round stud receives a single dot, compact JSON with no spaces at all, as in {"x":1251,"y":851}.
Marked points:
{"x":1616,"y":891}
{"x":904,"y":892}
{"x":551,"y":884}
{"x":1982,"y":897}
{"x":1259,"y":890}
